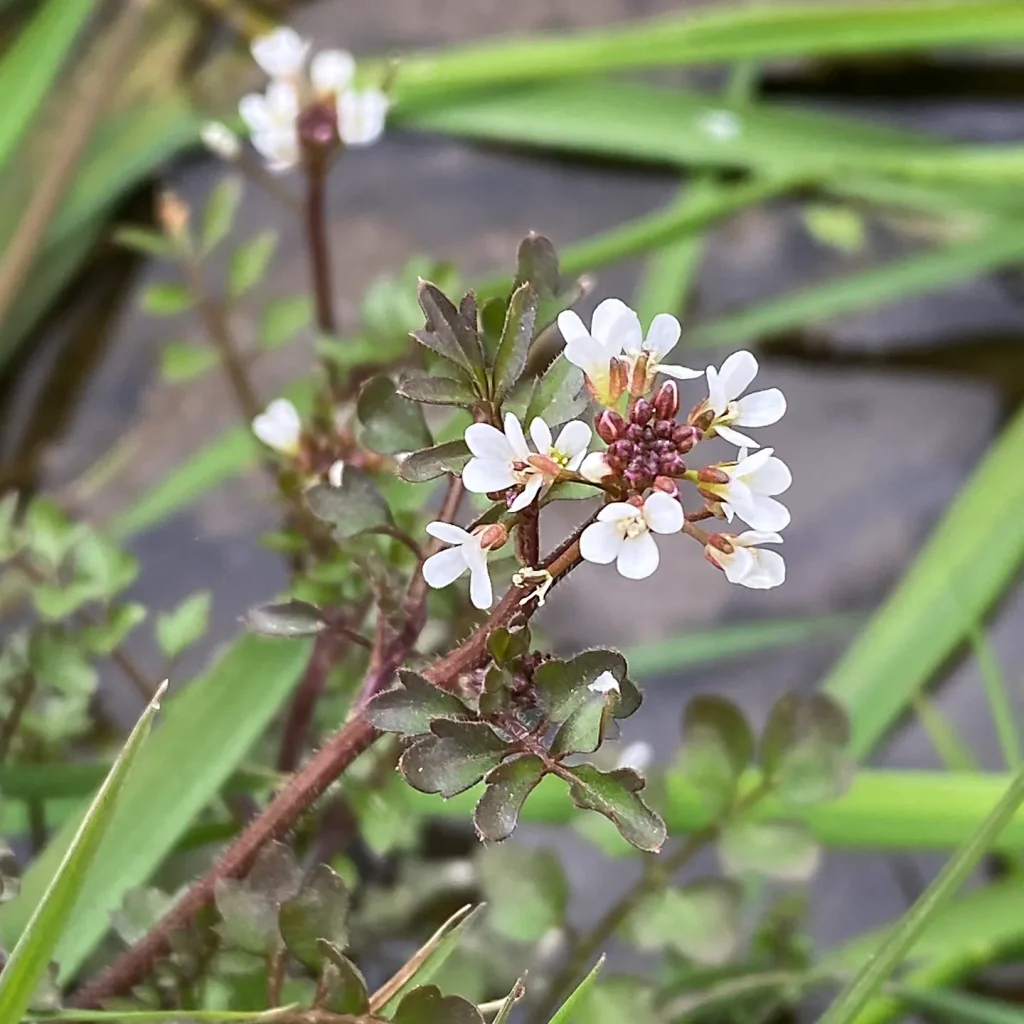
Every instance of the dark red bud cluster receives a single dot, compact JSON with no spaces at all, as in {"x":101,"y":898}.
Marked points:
{"x":317,"y":127}
{"x":650,"y":444}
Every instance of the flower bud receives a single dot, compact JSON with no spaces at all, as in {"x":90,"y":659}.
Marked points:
{"x":610,"y":426}
{"x":642,"y":412}
{"x":493,"y":536}
{"x":685,"y":437}
{"x":672,"y":464}
{"x":635,"y":500}
{"x":666,"y":484}
{"x":317,"y":127}
{"x":666,"y":400}
{"x":712,"y":475}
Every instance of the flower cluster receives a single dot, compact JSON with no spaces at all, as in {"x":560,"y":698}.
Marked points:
{"x":302,"y":111}
{"x":644,"y":462}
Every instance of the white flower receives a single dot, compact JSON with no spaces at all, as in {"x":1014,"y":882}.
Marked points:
{"x":279,"y":426}
{"x":638,"y":755}
{"x":336,"y":473}
{"x":743,"y":561}
{"x":595,"y":467}
{"x":361,"y":115}
{"x":760,"y":409}
{"x":331,"y":72}
{"x":749,"y":491}
{"x":280,"y":53}
{"x":502,"y":460}
{"x":468,"y":553}
{"x":220,"y":140}
{"x":661,"y":338}
{"x":604,"y":683}
{"x":271,"y":118}
{"x":622,"y":534}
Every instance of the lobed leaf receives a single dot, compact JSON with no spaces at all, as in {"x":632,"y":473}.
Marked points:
{"x":410,"y":707}
{"x":615,"y":795}
{"x":390,"y":422}
{"x":438,"y":391}
{"x":516,"y":338}
{"x":717,"y":747}
{"x":526,"y":891}
{"x":786,"y":850}
{"x":430,"y":463}
{"x":353,"y":508}
{"x":316,"y":914}
{"x":456,"y":756}
{"x":508,"y":786}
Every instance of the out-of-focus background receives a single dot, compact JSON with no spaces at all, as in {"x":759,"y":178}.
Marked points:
{"x":878,"y":282}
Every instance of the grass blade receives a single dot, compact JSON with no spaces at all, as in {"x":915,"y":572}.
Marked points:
{"x":997,"y":690}
{"x":877,"y":968}
{"x":220,"y":714}
{"x":960,"y":1006}
{"x":567,"y":1014}
{"x":51,"y":916}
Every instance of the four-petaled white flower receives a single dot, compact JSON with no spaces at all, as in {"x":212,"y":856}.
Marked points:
{"x":468,"y":553}
{"x":279,"y":426}
{"x":503,"y":459}
{"x":271,"y":118}
{"x":662,"y":336}
{"x":743,"y":561}
{"x":760,"y":409}
{"x":750,"y":488}
{"x":623,"y":534}
{"x":604,"y":683}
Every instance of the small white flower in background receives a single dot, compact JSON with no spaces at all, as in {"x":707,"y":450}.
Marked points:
{"x":502,"y":459}
{"x":749,"y":488}
{"x":743,"y":561}
{"x":361,"y":116}
{"x":281,"y":53}
{"x":604,"y":683}
{"x":623,"y":534}
{"x":662,"y":336}
{"x":336,"y":473}
{"x":721,"y":125}
{"x":638,"y":755}
{"x":279,"y":426}
{"x":760,"y":409}
{"x":220,"y":140}
{"x":469,"y":553}
{"x":595,"y":467}
{"x":271,"y":118}
{"x":331,"y":72}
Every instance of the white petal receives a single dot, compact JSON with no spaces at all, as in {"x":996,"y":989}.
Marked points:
{"x":734,"y":436}
{"x":768,"y":570}
{"x":487,"y":442}
{"x":616,"y":511}
{"x":605,"y":683}
{"x":594,"y":467}
{"x":736,"y":373}
{"x":279,"y":425}
{"x":662,"y":336}
{"x":736,"y":564}
{"x":444,"y":568}
{"x":482,"y":476}
{"x":761,"y":409}
{"x":283,"y":103}
{"x":516,"y":438}
{"x":530,"y":491}
{"x":280,"y":53}
{"x":448,"y":532}
{"x":336,"y":473}
{"x":574,"y":438}
{"x":662,"y":513}
{"x":752,"y":538}
{"x":773,"y":477}
{"x":540,"y":434}
{"x":606,"y":320}
{"x":280,"y":148}
{"x":361,"y":116}
{"x":589,"y":355}
{"x":330,"y":71}
{"x":624,"y":335}
{"x":717,"y":398}
{"x":747,"y":465}
{"x":638,"y":557}
{"x":480,"y":591}
{"x":255,"y":112}
{"x":600,"y":542}
{"x":571,"y":326}
{"x":763,"y":513}
{"x":678,"y":372}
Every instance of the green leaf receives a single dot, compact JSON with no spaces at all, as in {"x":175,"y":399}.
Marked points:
{"x":410,"y":707}
{"x":508,"y":786}
{"x":426,"y":1005}
{"x":430,"y":463}
{"x":103,"y":637}
{"x":249,"y":263}
{"x":343,"y":983}
{"x":32,"y":62}
{"x":701,"y":921}
{"x":58,"y":661}
{"x":56,"y":602}
{"x":102,"y":564}
{"x":438,"y":391}
{"x":390,"y":423}
{"x":166,"y":299}
{"x":48,"y":532}
{"x":584,"y":730}
{"x":785,"y":850}
{"x":537,"y":266}
{"x":960,"y":1007}
{"x":525,"y":890}
{"x":221,"y":210}
{"x":354,"y":507}
{"x":559,"y":395}
{"x":803,"y":748}
{"x":318,"y":913}
{"x":185,"y":360}
{"x":286,"y":619}
{"x":504,"y":1014}
{"x":564,"y":686}
{"x":456,"y":756}
{"x":717,"y":747}
{"x":282,"y":319}
{"x":447,"y":333}
{"x":145,"y":241}
{"x":840,"y":227}
{"x":568,"y":1013}
{"x":516,"y":338}
{"x":221,"y":713}
{"x":506,"y":646}
{"x":178,"y":629}
{"x":856,"y":994}
{"x":52,"y":915}
{"x":615,"y":794}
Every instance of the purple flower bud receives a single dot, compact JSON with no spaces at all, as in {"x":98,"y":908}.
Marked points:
{"x":642,"y":412}
{"x":663,"y":429}
{"x":666,"y":400}
{"x":634,"y":432}
{"x":685,"y":437}
{"x":621,"y":450}
{"x":610,"y":426}
{"x":672,"y":465}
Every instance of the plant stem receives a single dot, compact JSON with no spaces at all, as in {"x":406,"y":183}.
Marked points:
{"x":320,"y":260}
{"x":9,"y":726}
{"x":658,"y":873}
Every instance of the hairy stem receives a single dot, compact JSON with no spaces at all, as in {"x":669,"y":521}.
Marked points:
{"x":320,"y":260}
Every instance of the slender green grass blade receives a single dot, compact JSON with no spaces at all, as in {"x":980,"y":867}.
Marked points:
{"x":943,"y":735}
{"x":207,"y":731}
{"x":997,"y":692}
{"x":952,"y":582}
{"x":52,"y":914}
{"x":567,"y":1012}
{"x":883,"y":961}
{"x":960,"y":1007}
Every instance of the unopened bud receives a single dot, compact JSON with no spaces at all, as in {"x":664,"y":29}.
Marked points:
{"x":618,"y":375}
{"x":220,"y":140}
{"x":610,"y":426}
{"x":642,"y":412}
{"x":666,"y":400}
{"x":173,"y":213}
{"x":685,"y":436}
{"x":712,"y":475}
{"x":493,"y":536}
{"x":668,"y":485}
{"x":317,"y":127}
